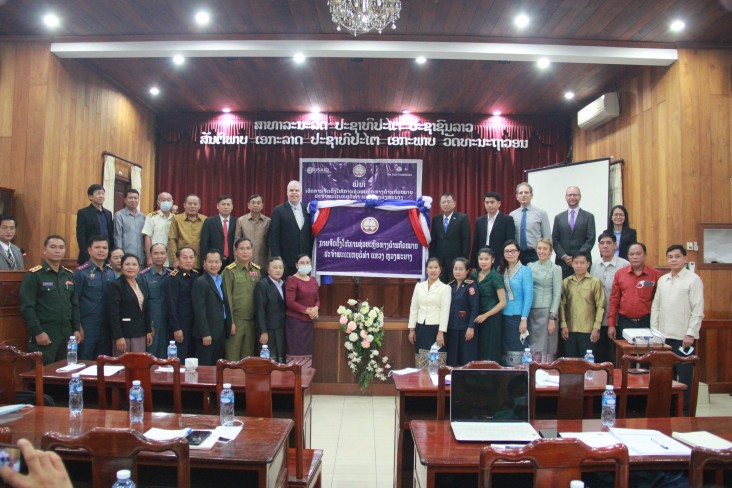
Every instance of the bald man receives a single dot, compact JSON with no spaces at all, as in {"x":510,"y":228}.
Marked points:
{"x":573,"y":231}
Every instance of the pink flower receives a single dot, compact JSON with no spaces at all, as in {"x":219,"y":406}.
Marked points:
{"x":363,"y":334}
{"x":351,"y":326}
{"x":344,"y":320}
{"x":365,"y":344}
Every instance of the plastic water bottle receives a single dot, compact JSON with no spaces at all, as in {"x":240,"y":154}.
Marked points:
{"x":76,"y":394}
{"x":226,"y":404}
{"x":123,"y":479}
{"x":137,"y":402}
{"x":264,"y":353}
{"x":526,"y":358}
{"x":72,"y":349}
{"x":590,"y":358}
{"x":608,"y":407}
{"x":576,"y":484}
{"x":172,"y":350}
{"x":433,"y":359}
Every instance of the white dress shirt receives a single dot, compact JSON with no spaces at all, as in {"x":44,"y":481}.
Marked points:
{"x":678,"y":307}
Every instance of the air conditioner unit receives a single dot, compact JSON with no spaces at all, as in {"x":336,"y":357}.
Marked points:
{"x":598,"y":112}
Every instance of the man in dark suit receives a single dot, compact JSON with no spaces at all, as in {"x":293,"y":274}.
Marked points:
{"x":212,"y":324}
{"x":573,"y":231}
{"x":11,"y":256}
{"x":492,"y":230}
{"x":450,"y":236}
{"x":290,"y":231}
{"x":217,"y":231}
{"x":92,"y":221}
{"x":269,"y":299}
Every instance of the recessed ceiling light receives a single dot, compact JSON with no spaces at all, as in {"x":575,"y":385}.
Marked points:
{"x":421,"y":60}
{"x":178,"y":59}
{"x":497,"y":113}
{"x":677,"y":25}
{"x":299,"y":58}
{"x":543,"y":63}
{"x":406,"y":112}
{"x":315,"y":109}
{"x":154,"y":90}
{"x":51,"y":20}
{"x":226,"y":110}
{"x":202,"y":17}
{"x":569,"y":95}
{"x":521,"y":21}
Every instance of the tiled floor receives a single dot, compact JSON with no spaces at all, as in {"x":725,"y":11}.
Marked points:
{"x":357,"y":434}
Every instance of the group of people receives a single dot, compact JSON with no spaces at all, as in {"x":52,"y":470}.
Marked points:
{"x":206,"y":283}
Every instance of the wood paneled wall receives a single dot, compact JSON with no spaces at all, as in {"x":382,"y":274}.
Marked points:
{"x":56,"y":119}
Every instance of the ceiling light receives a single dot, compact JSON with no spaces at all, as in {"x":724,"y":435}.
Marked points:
{"x":299,"y":58}
{"x":51,"y":20}
{"x":543,"y":63}
{"x":364,"y":15}
{"x":569,"y":95}
{"x":178,"y":59}
{"x":521,"y":21}
{"x":497,"y":113}
{"x":677,"y":25}
{"x":421,"y":60}
{"x":226,"y":110}
{"x":406,"y":112}
{"x":154,"y":90}
{"x":315,"y":109}
{"x":202,"y":17}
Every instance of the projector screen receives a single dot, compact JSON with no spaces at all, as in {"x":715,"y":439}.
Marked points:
{"x":593,"y":180}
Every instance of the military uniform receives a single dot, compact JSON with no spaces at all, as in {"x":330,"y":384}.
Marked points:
{"x":179,"y":304}
{"x":92,"y":287}
{"x":464,"y":308}
{"x":157,"y":227}
{"x":48,"y":303}
{"x":153,"y":282}
{"x":239,"y":283}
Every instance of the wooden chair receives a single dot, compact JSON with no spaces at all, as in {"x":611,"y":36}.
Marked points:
{"x":137,"y":367}
{"x":306,"y":464}
{"x":700,"y":457}
{"x":661,"y":375}
{"x":571,"y":384}
{"x":445,"y":370}
{"x":115,"y":449}
{"x":555,"y":462}
{"x":6,"y":436}
{"x":9,"y":357}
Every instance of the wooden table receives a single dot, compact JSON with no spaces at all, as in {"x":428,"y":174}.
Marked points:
{"x":260,"y":449}
{"x":438,"y":453}
{"x":203,"y":380}
{"x":624,"y":347}
{"x":417,"y":400}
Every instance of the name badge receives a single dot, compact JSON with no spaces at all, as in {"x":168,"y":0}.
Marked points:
{"x":47,"y":283}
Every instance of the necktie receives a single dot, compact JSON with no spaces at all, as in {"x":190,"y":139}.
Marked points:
{"x":298,"y":216}
{"x":522,"y":233}
{"x":571,"y":220}
{"x":11,"y":259}
{"x":446,"y":222}
{"x":226,"y":238}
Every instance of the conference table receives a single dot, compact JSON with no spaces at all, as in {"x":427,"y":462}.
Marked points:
{"x":202,"y":381}
{"x":417,"y":400}
{"x":438,"y":454}
{"x":256,"y":457}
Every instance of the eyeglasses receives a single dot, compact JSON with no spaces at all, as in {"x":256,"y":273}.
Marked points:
{"x":5,"y":227}
{"x":510,"y":251}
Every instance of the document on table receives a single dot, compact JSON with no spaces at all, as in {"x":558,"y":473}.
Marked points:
{"x":70,"y":367}
{"x":593,"y":439}
{"x":544,"y":379}
{"x":399,"y":372}
{"x":702,"y":438}
{"x":649,"y":442}
{"x":156,"y":434}
{"x":448,"y":379}
{"x":6,"y":409}
{"x":108,"y":370}
{"x":168,"y":369}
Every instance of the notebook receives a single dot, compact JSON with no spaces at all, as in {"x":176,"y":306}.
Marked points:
{"x":491,"y":405}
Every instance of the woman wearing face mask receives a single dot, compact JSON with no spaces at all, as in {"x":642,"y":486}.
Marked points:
{"x":301,"y":296}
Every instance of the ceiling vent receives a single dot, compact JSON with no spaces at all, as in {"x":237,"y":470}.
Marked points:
{"x":599,"y":112}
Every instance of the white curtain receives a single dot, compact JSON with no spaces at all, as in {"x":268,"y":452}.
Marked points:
{"x":136,"y":179}
{"x":616,"y":184}
{"x":109,"y":182}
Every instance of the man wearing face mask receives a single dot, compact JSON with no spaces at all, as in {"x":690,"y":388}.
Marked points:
{"x":157,"y":226}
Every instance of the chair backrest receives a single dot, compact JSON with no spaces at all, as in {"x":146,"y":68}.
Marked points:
{"x":9,"y":358}
{"x":137,"y":367}
{"x":115,"y":449}
{"x":555,"y":462}
{"x":570,"y":404}
{"x":258,"y":378}
{"x":661,"y":375}
{"x":6,"y":436}
{"x":700,"y":457}
{"x":445,"y":370}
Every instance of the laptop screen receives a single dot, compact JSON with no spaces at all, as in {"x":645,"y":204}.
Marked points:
{"x":489,"y":395}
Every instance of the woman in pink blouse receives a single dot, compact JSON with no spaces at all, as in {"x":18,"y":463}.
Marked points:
{"x":303,"y":302}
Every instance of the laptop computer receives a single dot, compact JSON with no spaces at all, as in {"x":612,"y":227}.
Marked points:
{"x":491,"y":405}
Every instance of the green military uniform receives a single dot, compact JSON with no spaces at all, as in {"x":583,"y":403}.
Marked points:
{"x":239,"y":283}
{"x":49,"y":304}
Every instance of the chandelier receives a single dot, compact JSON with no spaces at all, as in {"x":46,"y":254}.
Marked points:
{"x":360,"y":16}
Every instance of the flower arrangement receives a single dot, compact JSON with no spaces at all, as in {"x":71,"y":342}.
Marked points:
{"x":364,"y":329}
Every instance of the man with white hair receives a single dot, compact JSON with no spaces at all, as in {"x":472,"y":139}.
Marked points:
{"x":290,"y":231}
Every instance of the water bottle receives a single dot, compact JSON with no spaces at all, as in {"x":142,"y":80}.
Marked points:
{"x":576,"y":484}
{"x":590,"y":358}
{"x":172,"y":350}
{"x":608,"y":407}
{"x":226,"y":404}
{"x":72,"y":349}
{"x":137,"y":402}
{"x":76,"y":394}
{"x":526,"y":359}
{"x":433,"y":359}
{"x":264,"y":353}
{"x":123,"y":479}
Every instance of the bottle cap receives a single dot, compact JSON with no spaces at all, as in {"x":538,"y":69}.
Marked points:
{"x":589,"y":351}
{"x":227,"y":386}
{"x":72,"y":337}
{"x":609,"y":387}
{"x":123,"y":474}
{"x":528,"y":349}
{"x":172,"y":343}
{"x":136,"y":383}
{"x":74,"y":376}
{"x":576,"y":484}
{"x":265,"y":346}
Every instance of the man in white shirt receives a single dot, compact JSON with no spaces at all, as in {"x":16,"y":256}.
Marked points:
{"x":678,"y":310}
{"x":157,"y":226}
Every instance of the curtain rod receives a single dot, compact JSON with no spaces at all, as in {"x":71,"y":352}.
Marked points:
{"x":107,"y":153}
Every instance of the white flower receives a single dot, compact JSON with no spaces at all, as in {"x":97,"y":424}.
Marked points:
{"x":349,"y":346}
{"x":375,"y":352}
{"x":352,"y":302}
{"x":373,"y":313}
{"x":353,"y":337}
{"x":364,"y":308}
{"x":370,"y":338}
{"x":369,"y":322}
{"x":341,"y":310}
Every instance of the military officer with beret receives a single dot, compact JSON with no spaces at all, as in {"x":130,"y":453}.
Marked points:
{"x":152,"y":279}
{"x":49,"y":304}
{"x":240,"y":279}
{"x":179,"y":301}
{"x":91,"y":281}
{"x":462,"y":345}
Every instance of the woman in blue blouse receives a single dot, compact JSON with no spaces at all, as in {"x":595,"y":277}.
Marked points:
{"x":519,"y":296}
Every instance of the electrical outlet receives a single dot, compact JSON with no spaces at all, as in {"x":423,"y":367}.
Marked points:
{"x":689,"y":246}
{"x":692,"y":266}
{"x":696,"y":246}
